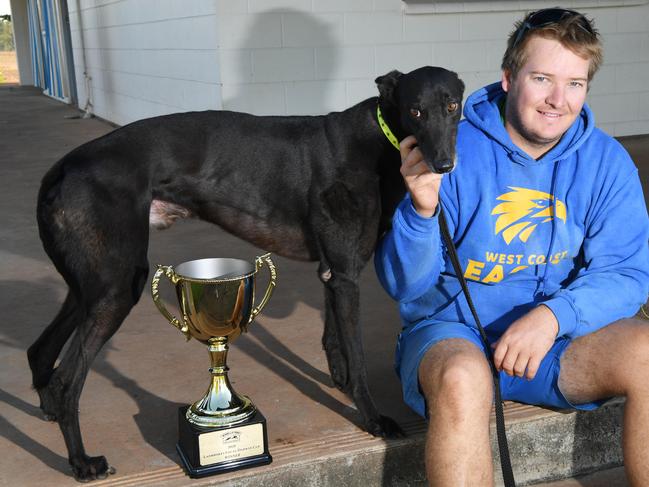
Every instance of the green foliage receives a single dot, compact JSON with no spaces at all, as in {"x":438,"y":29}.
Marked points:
{"x":6,"y":34}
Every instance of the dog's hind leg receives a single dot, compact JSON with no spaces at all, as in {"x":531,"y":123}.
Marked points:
{"x":42,"y":354}
{"x":99,"y":246}
{"x":104,"y":312}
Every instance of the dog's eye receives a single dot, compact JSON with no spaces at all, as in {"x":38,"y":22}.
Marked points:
{"x":415,"y":113}
{"x":451,"y":107}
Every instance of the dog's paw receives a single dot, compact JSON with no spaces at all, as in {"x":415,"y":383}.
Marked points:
{"x":384,"y":427}
{"x":88,"y":468}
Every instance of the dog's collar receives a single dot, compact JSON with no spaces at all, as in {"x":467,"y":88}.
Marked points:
{"x":386,"y":130}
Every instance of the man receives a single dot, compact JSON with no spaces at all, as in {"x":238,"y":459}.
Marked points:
{"x":550,"y":224}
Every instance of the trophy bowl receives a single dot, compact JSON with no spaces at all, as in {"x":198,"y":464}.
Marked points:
{"x":216,"y":297}
{"x":216,"y":300}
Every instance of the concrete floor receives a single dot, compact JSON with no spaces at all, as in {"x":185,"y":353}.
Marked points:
{"x":141,"y":377}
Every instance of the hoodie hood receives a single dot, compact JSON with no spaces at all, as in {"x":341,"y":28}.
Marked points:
{"x":482,"y":110}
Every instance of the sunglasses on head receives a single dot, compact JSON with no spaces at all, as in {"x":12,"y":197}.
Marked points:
{"x":549,"y":16}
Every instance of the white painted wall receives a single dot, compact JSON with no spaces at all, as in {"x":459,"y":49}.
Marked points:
{"x":143,"y":58}
{"x":148,"y":57}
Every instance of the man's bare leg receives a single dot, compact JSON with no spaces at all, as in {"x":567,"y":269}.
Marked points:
{"x":456,"y":381}
{"x":614,"y":361}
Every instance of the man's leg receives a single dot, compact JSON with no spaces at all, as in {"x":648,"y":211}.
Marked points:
{"x":456,"y":381}
{"x":614,"y":361}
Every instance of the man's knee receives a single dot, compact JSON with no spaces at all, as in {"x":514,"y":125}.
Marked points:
{"x":454,"y":374}
{"x":638,"y":339}
{"x":632,"y":353}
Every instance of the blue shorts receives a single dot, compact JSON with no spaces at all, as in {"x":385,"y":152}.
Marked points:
{"x":543,"y":390}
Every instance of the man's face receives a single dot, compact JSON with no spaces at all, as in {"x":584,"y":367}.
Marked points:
{"x":546,"y":96}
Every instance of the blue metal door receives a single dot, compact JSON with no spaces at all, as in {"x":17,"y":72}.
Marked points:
{"x":51,"y":53}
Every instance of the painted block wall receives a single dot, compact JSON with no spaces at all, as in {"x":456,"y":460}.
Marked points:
{"x":147,"y":57}
{"x":140,"y":58}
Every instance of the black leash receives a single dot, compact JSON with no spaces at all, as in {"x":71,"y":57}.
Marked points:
{"x":505,"y":462}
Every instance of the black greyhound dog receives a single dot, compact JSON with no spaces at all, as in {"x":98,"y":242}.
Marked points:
{"x":325,"y":188}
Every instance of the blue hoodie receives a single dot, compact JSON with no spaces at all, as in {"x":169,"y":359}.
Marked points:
{"x":568,"y":230}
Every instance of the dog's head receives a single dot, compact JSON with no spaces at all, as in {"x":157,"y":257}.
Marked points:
{"x":427,"y":103}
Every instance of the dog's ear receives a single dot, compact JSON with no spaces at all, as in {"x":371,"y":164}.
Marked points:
{"x":387,"y":83}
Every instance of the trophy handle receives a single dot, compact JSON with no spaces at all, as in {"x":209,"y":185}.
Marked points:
{"x":259,"y":263}
{"x":169,"y":273}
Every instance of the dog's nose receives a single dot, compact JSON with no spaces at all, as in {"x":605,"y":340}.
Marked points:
{"x":444,"y":166}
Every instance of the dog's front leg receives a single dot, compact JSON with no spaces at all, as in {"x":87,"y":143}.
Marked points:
{"x":336,"y":358}
{"x":346,"y":226}
{"x":344,"y":348}
{"x":337,"y":361}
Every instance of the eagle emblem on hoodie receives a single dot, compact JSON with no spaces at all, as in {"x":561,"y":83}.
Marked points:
{"x":522,"y":210}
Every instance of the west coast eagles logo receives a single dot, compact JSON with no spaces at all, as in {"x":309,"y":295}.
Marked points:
{"x":523,"y":210}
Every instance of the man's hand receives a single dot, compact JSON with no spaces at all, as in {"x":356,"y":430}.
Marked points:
{"x":525,"y":343}
{"x":422,"y":183}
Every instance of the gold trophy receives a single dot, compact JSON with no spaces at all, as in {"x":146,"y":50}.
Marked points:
{"x":224,"y":430}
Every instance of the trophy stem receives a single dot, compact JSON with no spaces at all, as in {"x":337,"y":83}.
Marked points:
{"x":220,"y":405}
{"x":218,"y":350}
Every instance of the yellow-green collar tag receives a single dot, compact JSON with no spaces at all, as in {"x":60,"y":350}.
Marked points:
{"x":386,"y":130}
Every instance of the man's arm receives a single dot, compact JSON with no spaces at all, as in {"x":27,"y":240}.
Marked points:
{"x":615,"y":279}
{"x":408,"y":258}
{"x":612,"y":285}
{"x":423,"y":184}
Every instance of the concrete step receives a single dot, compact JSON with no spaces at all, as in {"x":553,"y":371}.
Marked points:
{"x":550,"y":445}
{"x":545,"y":445}
{"x":613,"y":477}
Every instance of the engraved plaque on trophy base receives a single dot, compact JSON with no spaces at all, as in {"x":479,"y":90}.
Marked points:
{"x":208,"y":451}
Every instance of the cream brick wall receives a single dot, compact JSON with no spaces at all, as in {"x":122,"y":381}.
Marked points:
{"x":147,"y":57}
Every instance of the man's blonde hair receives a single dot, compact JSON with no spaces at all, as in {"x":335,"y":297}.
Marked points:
{"x":574,"y":31}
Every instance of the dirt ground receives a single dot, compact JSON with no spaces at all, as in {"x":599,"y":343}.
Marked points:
{"x":8,"y":67}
